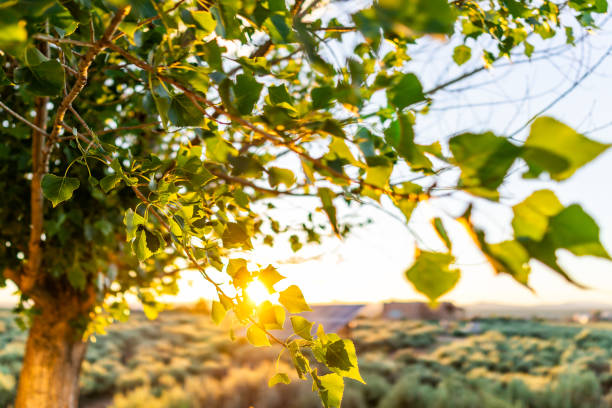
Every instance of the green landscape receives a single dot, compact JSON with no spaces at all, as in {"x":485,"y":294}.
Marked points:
{"x":183,"y":360}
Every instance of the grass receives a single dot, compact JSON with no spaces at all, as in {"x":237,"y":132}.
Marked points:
{"x":182,"y":360}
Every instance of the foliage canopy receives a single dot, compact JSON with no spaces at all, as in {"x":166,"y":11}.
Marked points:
{"x":170,"y":123}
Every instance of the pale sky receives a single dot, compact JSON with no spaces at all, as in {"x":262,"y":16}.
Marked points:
{"x":368,"y":266}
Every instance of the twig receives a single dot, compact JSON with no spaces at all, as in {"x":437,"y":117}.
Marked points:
{"x":249,"y":183}
{"x":83,"y":68}
{"x":196,"y":99}
{"x":121,"y":129}
{"x":54,"y":40}
{"x":24,"y":120}
{"x":564,"y":93}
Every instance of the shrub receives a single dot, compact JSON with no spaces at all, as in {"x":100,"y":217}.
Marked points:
{"x":7,"y":388}
{"x":408,"y":392}
{"x":377,"y":387}
{"x":143,"y":398}
{"x":133,"y":379}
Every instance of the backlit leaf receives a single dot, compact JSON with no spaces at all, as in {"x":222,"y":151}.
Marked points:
{"x":247,"y":91}
{"x":183,"y":112}
{"x":257,"y":336}
{"x":279,"y":378}
{"x":327,"y":196}
{"x":556,"y":148}
{"x":58,"y":189}
{"x":330,"y":388}
{"x":439,"y":227}
{"x":531,"y":216}
{"x":277,"y":176}
{"x":462,"y":54}
{"x":269,"y":277}
{"x":302,"y":327}
{"x":218,"y":312}
{"x":293,"y":299}
{"x":484,"y":160}
{"x":432,"y":275}
{"x":407,"y":91}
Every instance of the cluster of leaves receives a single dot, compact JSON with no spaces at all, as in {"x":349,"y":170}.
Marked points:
{"x":541,"y":224}
{"x":180,"y":135}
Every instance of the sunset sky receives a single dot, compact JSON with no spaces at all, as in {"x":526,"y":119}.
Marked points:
{"x":369,"y":265}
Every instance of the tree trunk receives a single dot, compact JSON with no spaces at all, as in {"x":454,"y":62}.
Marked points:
{"x":54,"y":352}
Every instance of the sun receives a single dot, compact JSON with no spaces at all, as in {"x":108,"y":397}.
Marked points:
{"x":258,"y":293}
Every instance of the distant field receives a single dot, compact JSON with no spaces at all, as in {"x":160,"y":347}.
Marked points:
{"x":181,"y":360}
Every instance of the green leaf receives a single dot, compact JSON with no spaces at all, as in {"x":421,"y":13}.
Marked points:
{"x":301,"y":327}
{"x":406,"y":19}
{"x":278,"y":28}
{"x":236,"y":236}
{"x":219,"y":150}
{"x":337,"y":357}
{"x":407,"y":91}
{"x":247,"y":91}
{"x":277,"y":176}
{"x":132,"y":220}
{"x":271,"y":317}
{"x":338,"y":150}
{"x":532,"y":215}
{"x":218,"y":312}
{"x":462,"y":54}
{"x":129,"y":29}
{"x":571,"y":229}
{"x":327,"y":197}
{"x":279,"y":94}
{"x":509,"y":257}
{"x":58,"y":189}
{"x":269,"y":277}
{"x":441,"y":231}
{"x":204,"y":20}
{"x":236,"y":265}
{"x":257,"y":336}
{"x":400,"y":135}
{"x":558,"y":149}
{"x":330,"y":388}
{"x":377,"y":174}
{"x":321,"y":97}
{"x":43,"y":79}
{"x":601,"y":6}
{"x":431,"y":274}
{"x":13,"y":33}
{"x":146,"y":244}
{"x":76,"y":278}
{"x":574,"y":230}
{"x":341,"y":357}
{"x":228,"y":25}
{"x":183,"y":112}
{"x":109,"y":182}
{"x":484,"y":160}
{"x":293,"y":299}
{"x":279,"y":378}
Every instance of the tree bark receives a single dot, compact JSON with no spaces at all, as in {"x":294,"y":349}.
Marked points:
{"x":54,"y":352}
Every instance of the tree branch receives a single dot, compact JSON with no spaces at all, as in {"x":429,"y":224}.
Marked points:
{"x":24,"y":120}
{"x":81,"y":80}
{"x":276,"y":140}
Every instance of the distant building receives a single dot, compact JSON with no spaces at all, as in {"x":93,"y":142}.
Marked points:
{"x":340,"y":319}
{"x":334,"y":318}
{"x":581,"y":318}
{"x":421,"y":311}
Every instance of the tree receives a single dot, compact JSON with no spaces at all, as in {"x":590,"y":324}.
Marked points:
{"x":143,"y":132}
